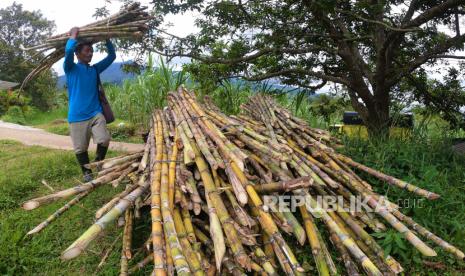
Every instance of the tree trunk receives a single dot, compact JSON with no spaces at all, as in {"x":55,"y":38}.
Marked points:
{"x":375,"y":114}
{"x":378,"y":122}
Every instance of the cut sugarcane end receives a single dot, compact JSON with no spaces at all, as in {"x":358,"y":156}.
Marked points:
{"x":30,"y":205}
{"x":71,"y":253}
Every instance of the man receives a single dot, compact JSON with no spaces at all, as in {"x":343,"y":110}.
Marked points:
{"x":85,"y":112}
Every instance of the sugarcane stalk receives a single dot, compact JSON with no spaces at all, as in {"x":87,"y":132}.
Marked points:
{"x":317,"y":253}
{"x":133,"y":167}
{"x":188,"y":225}
{"x":266,"y":221}
{"x":127,"y":234}
{"x":172,"y":172}
{"x":118,"y":168}
{"x":37,"y":202}
{"x":242,"y":216}
{"x":216,"y":233}
{"x":264,"y":262}
{"x":215,"y":134}
{"x":348,"y":242}
{"x":223,"y":216}
{"x":177,"y":254}
{"x":129,"y":23}
{"x":114,"y":162}
{"x":105,"y":208}
{"x":123,"y":264}
{"x":145,"y":157}
{"x":429,"y":235}
{"x":76,"y":248}
{"x":58,"y":213}
{"x":349,"y":264}
{"x":157,"y":228}
{"x":198,"y":136}
{"x":191,"y":257}
{"x":389,"y":179}
{"x":191,"y":187}
{"x":297,"y":229}
{"x":94,"y":165}
{"x":284,"y":186}
{"x":395,"y":223}
{"x":268,"y":249}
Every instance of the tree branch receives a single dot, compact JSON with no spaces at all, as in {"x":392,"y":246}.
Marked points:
{"x":432,"y":13}
{"x":457,"y":22}
{"x":250,"y":57}
{"x":431,"y":54}
{"x":411,"y":10}
{"x":313,"y":87}
{"x":381,"y":23}
{"x":297,"y":71}
{"x":449,"y":56}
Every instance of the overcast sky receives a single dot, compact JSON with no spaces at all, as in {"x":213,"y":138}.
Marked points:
{"x":68,"y":14}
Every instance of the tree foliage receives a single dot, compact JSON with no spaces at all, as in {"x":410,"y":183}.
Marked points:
{"x":369,"y":47}
{"x":327,"y":106}
{"x":19,"y":27}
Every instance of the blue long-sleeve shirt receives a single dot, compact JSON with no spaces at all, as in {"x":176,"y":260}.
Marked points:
{"x":82,"y":83}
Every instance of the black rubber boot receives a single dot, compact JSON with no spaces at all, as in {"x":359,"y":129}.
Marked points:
{"x":100,"y":155}
{"x":101,"y":152}
{"x":83,"y":159}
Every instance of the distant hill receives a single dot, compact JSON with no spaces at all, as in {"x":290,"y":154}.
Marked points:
{"x":113,"y":74}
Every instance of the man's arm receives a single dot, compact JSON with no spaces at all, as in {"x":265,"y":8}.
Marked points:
{"x":69,"y":49}
{"x":108,"y":60}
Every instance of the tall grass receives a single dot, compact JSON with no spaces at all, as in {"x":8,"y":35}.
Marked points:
{"x":136,"y":98}
{"x":430,"y":164}
{"x":229,"y":96}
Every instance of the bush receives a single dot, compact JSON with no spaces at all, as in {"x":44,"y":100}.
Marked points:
{"x":121,"y":130}
{"x":15,"y":115}
{"x":9,"y":98}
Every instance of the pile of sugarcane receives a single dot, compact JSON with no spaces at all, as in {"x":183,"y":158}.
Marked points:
{"x":129,"y":22}
{"x":204,"y":176}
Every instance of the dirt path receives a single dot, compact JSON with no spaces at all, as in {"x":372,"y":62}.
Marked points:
{"x":34,"y":136}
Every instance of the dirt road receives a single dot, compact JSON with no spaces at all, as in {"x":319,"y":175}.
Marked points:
{"x":34,"y":136}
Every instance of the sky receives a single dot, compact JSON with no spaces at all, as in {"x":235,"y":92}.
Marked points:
{"x":68,"y":14}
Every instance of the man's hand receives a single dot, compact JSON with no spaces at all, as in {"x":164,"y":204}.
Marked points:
{"x":73,"y":33}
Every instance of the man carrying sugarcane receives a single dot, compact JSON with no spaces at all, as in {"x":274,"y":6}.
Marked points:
{"x":85,"y":111}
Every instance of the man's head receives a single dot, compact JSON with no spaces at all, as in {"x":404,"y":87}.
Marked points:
{"x":84,"y":52}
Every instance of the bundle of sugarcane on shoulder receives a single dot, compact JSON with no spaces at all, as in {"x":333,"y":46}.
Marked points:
{"x":131,"y":22}
{"x":214,"y":183}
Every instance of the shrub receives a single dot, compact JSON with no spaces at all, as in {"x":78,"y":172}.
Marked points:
{"x":15,"y":115}
{"x":10,"y":98}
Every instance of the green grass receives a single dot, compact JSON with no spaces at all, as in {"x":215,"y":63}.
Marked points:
{"x":36,"y":118}
{"x":21,"y":173}
{"x":429,"y":164}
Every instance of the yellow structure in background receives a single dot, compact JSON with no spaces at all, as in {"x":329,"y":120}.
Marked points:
{"x":360,"y":131}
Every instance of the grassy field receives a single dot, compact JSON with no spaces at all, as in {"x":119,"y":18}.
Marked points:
{"x":430,"y":164}
{"x":23,"y":168}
